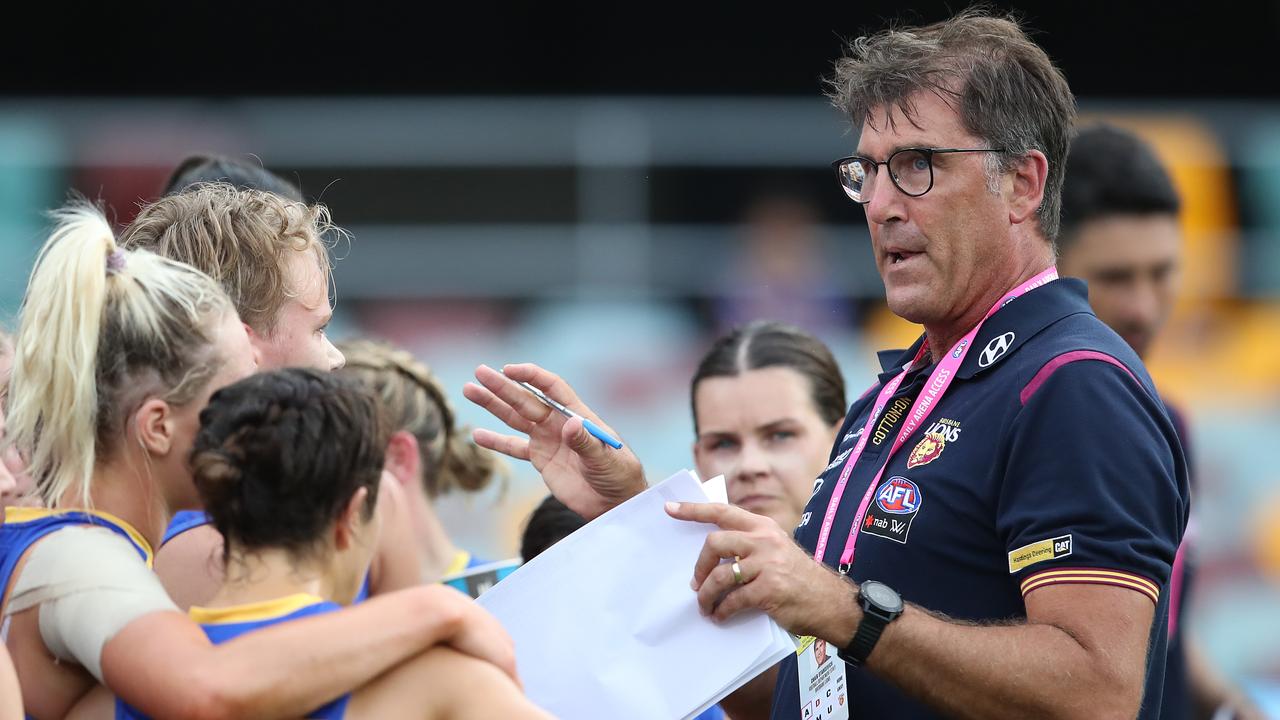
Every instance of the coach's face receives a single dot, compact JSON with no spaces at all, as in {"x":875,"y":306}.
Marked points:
{"x":941,"y":252}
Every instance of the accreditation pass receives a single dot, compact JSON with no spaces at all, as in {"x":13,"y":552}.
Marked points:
{"x":823,"y":692}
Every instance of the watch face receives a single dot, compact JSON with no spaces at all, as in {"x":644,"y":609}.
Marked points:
{"x":882,"y":596}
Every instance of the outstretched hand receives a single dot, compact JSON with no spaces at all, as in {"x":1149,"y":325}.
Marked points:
{"x":581,"y":471}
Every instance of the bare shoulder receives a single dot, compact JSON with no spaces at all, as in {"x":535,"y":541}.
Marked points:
{"x":190,"y":566}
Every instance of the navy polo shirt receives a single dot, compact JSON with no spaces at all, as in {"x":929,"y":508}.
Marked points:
{"x":1050,"y":459}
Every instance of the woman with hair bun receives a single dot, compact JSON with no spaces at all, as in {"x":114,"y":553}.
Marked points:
{"x":288,"y":465}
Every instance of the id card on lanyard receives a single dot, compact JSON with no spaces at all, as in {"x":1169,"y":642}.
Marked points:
{"x":823,"y":693}
{"x":939,"y":381}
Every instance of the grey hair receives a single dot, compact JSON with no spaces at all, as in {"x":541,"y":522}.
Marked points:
{"x":1003,"y":86}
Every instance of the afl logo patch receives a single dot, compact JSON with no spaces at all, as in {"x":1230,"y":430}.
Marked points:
{"x":895,"y":509}
{"x":995,"y":349}
{"x":899,"y":496}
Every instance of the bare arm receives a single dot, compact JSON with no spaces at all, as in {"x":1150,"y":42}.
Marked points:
{"x":289,"y":669}
{"x":97,"y":704}
{"x":10,"y":695}
{"x":442,"y":684}
{"x":396,"y":564}
{"x":1081,"y":653}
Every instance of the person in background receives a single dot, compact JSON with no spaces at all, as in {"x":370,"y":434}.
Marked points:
{"x":1120,"y":233}
{"x":767,"y":399}
{"x":201,"y":169}
{"x":269,"y":254}
{"x":428,"y":454}
{"x":548,"y":524}
{"x":781,"y":272}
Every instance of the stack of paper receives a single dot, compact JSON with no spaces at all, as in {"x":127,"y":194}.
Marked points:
{"x":605,"y":625}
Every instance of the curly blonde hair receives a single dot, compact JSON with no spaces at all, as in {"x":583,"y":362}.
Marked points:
{"x":243,"y":239}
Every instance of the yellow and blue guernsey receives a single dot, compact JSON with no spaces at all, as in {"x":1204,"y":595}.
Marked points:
{"x":23,"y":527}
{"x":224,"y":623}
{"x":185,"y":520}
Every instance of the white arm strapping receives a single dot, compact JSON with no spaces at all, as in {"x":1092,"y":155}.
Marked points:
{"x":89,"y":583}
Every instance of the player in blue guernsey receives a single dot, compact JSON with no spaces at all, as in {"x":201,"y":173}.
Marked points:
{"x":1120,"y":233}
{"x":271,"y":259}
{"x":123,"y":349}
{"x":288,"y":465}
{"x":428,"y":454}
{"x":767,"y":401}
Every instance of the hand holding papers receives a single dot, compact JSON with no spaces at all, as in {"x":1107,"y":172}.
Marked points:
{"x":605,"y":624}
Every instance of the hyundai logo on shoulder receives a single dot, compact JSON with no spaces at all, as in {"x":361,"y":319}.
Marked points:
{"x":995,"y":349}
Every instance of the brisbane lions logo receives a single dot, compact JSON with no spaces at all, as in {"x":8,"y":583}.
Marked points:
{"x":927,"y":450}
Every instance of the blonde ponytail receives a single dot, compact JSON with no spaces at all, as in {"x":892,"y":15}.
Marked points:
{"x":56,"y":349}
{"x":98,"y":321}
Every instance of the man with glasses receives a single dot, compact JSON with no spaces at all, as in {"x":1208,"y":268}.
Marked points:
{"x":1004,"y":552}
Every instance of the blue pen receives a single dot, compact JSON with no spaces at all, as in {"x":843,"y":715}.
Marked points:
{"x":591,"y":427}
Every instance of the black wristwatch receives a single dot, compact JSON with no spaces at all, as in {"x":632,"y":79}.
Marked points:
{"x":881,"y":605}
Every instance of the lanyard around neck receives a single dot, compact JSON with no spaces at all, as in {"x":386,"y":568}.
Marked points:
{"x":939,"y":380}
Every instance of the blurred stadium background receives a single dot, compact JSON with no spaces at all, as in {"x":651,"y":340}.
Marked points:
{"x":601,"y":190}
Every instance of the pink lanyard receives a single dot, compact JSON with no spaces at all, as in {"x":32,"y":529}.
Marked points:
{"x":928,"y":399}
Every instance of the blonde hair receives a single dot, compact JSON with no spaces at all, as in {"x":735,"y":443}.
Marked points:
{"x":243,"y":239}
{"x":101,"y":329}
{"x":412,"y":399}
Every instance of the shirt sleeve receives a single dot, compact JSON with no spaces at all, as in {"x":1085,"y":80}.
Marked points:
{"x":1095,"y":487}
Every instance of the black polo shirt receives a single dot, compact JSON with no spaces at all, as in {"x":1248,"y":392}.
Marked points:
{"x":1049,"y":460}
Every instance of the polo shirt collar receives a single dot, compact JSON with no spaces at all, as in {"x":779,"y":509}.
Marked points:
{"x":1005,"y":331}
{"x":1022,"y":319}
{"x":891,"y":361}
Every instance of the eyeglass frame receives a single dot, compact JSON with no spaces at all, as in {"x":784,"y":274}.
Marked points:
{"x":928,"y":152}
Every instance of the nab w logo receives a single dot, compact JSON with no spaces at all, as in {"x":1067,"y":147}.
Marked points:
{"x":995,"y":349}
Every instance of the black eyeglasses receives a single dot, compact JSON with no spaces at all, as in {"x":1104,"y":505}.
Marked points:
{"x":910,"y":169}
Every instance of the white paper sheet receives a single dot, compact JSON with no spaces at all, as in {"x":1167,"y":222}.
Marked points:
{"x":716,"y":489}
{"x":605,"y":624}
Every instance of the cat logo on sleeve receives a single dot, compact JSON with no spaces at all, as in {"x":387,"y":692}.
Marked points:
{"x":1039,"y":551}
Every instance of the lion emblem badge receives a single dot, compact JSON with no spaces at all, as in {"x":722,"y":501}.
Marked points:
{"x":927,"y":450}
